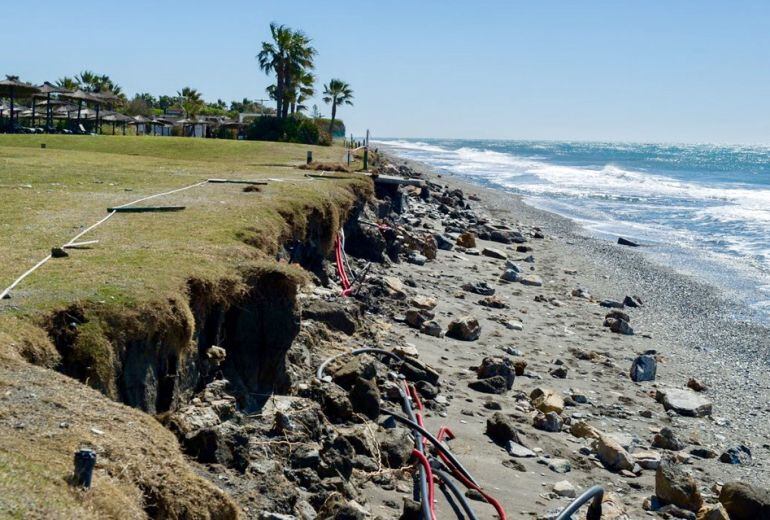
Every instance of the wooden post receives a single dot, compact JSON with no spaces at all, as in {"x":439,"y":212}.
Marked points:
{"x":309,"y":156}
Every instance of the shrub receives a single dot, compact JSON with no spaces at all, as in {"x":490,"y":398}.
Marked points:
{"x":291,"y":130}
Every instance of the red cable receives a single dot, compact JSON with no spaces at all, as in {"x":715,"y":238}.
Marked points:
{"x":346,"y":288}
{"x":429,"y":474}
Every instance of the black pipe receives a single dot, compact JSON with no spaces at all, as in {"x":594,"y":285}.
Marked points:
{"x":447,"y":481}
{"x":367,"y":350}
{"x":594,"y":510}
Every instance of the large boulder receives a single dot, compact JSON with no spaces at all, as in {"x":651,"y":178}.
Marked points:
{"x":497,"y":366}
{"x":674,"y":486}
{"x":668,"y":440}
{"x":744,"y":501}
{"x":612,"y":454}
{"x":643,"y":368}
{"x":684,"y":402}
{"x":466,"y":240}
{"x":466,"y":328}
{"x":502,"y":429}
{"x":490,"y":385}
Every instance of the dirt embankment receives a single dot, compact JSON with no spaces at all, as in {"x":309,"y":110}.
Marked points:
{"x":131,"y":363}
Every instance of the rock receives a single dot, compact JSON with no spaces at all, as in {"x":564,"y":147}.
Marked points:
{"x":497,"y":366}
{"x":467,"y":240}
{"x":581,"y":430}
{"x":365,"y":397}
{"x":683,"y":402}
{"x":559,"y":465}
{"x":504,"y":236}
{"x":493,"y":302}
{"x":394,"y":287}
{"x":335,"y":403}
{"x":559,"y":372}
{"x":443,"y":243}
{"x":426,"y":389}
{"x":509,"y":275}
{"x":415,"y":371}
{"x":357,"y":367}
{"x":412,"y":509}
{"x":620,"y":327}
{"x":515,"y":449}
{"x":612,"y":454}
{"x":474,"y":494}
{"x":611,"y":304}
{"x":491,"y":252}
{"x":343,"y":317}
{"x":672,"y":511}
{"x":432,"y":328}
{"x":647,"y":459}
{"x":466,"y":328}
{"x":547,"y":400}
{"x":715,"y":512}
{"x":632,"y":301}
{"x":580,"y":292}
{"x":531,"y":280}
{"x":519,"y":366}
{"x":564,"y":488}
{"x":626,"y":242}
{"x":612,"y":508}
{"x":674,"y":486}
{"x":549,"y":422}
{"x":416,"y":258}
{"x":745,"y":502}
{"x":704,"y":453}
{"x":667,"y":440}
{"x":502,"y":430}
{"x":490,"y":385}
{"x":481,"y":288}
{"x":618,"y":315}
{"x":424,"y":302}
{"x":406,"y":350}
{"x":395,"y":446}
{"x":264,"y":515}
{"x":416,"y":317}
{"x":736,"y":455}
{"x":643,"y":368}
{"x":694,"y":384}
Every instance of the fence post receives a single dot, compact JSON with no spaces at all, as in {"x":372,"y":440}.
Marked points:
{"x":309,"y":156}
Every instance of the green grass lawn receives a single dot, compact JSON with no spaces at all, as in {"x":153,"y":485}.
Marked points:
{"x":49,"y":195}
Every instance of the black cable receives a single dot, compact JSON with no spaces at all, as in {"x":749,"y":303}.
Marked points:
{"x":594,"y":510}
{"x":436,"y":443}
{"x":456,"y":492}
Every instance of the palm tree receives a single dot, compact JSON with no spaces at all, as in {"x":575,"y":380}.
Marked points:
{"x":191,"y":101}
{"x":289,"y":55}
{"x":305,"y":91}
{"x":67,"y":82}
{"x":337,"y":93}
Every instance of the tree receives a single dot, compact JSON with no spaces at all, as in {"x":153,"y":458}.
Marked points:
{"x":289,"y":56}
{"x":67,"y":82}
{"x":305,"y":90}
{"x":337,"y":93}
{"x":165,"y":102}
{"x":191,"y":101}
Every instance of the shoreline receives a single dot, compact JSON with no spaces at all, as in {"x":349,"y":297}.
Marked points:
{"x":688,"y":320}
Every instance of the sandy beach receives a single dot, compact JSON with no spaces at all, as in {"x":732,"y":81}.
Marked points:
{"x":686,"y":323}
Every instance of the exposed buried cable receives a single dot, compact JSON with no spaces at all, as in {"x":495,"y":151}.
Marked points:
{"x":594,"y":510}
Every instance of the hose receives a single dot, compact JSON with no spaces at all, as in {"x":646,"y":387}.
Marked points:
{"x":427,"y":499}
{"x":594,"y":510}
{"x":424,"y":491}
{"x":447,"y":481}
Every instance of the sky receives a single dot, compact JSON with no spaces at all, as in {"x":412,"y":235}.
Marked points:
{"x":633,"y":70}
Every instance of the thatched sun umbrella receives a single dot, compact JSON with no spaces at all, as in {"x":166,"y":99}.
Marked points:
{"x":114,"y":117}
{"x":139,"y":120}
{"x":109,"y":98}
{"x":81,"y":96}
{"x":12,"y":88}
{"x":46,"y":89}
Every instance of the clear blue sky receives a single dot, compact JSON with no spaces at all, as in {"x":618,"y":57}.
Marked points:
{"x":655,"y":70}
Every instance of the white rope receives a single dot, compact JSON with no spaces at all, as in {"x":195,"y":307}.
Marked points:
{"x":16,"y":282}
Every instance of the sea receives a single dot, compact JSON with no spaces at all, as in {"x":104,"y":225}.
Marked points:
{"x":701,"y":209}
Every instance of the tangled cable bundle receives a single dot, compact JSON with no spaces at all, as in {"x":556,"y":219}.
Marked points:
{"x":447,"y":467}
